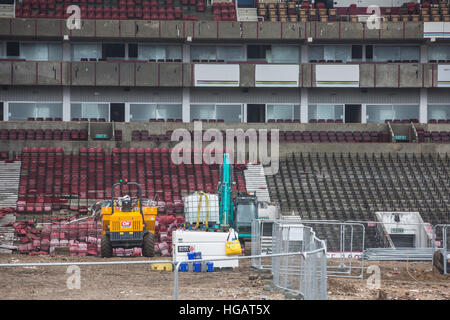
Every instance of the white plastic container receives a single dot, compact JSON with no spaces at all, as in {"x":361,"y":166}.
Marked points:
{"x":191,"y":208}
{"x":210,"y":244}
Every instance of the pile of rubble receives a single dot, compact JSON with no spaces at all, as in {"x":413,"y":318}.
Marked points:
{"x":81,"y":237}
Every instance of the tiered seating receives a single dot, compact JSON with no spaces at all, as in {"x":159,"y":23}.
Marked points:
{"x":224,"y":11}
{"x":124,"y":9}
{"x":307,"y":11}
{"x":355,"y":186}
{"x":433,"y":136}
{"x":43,"y":134}
{"x":44,"y":119}
{"x":290,"y":136}
{"x":51,"y":180}
{"x":89,"y":119}
{"x":439,"y":121}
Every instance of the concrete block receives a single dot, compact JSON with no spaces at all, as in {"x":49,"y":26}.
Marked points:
{"x":83,"y":73}
{"x":147,"y":29}
{"x":269,"y":30}
{"x":49,"y":27}
{"x":249,"y":30}
{"x":307,"y":75}
{"x":107,"y":74}
{"x":172,"y":29}
{"x":24,"y":72}
{"x":87,"y":29}
{"x":49,"y":73}
{"x":366,"y":75}
{"x":247,"y":75}
{"x":290,"y":30}
{"x":387,"y":75}
{"x":205,"y":30}
{"x":351,"y":30}
{"x":410,"y":75}
{"x":170,"y":74}
{"x":5,"y":72}
{"x":22,"y":27}
{"x":107,"y":28}
{"x":187,"y":74}
{"x":413,"y":30}
{"x":229,"y":29}
{"x":325,"y":30}
{"x":391,"y":30}
{"x":4,"y":27}
{"x":126,"y":73}
{"x":146,"y":74}
{"x":127,"y":28}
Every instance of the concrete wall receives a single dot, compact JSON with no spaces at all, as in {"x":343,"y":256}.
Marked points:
{"x":111,"y":73}
{"x":209,"y":30}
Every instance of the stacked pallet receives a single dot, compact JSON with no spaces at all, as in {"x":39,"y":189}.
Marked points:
{"x":164,"y":227}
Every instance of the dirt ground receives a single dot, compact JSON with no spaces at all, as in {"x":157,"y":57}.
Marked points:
{"x":399,"y":281}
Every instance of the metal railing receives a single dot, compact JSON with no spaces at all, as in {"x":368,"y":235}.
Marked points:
{"x":444,"y":243}
{"x":304,"y":275}
{"x":350,"y":244}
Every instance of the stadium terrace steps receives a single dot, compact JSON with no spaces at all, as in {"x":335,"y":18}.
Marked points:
{"x":255,"y":181}
{"x":9,"y":177}
{"x":247,"y":14}
{"x":355,"y":186}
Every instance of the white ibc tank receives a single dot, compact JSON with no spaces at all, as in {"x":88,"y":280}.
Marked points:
{"x":191,"y":208}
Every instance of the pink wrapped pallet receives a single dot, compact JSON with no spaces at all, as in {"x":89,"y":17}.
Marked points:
{"x":73,"y":249}
{"x":137,"y":251}
{"x":128,"y":252}
{"x":82,"y":249}
{"x":45,"y":244}
{"x":63,"y":243}
{"x":23,"y":248}
{"x":37,"y":244}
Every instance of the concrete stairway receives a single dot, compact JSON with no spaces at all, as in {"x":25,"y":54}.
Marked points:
{"x":247,"y":14}
{"x":9,"y":186}
{"x":255,"y":181}
{"x":6,"y":11}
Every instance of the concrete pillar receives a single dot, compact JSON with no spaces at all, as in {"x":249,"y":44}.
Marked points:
{"x":304,"y":54}
{"x":66,"y":51}
{"x":423,"y":53}
{"x":423,"y":106}
{"x":127,"y":112}
{"x":5,"y":111}
{"x":66,"y":103}
{"x":186,"y":53}
{"x":304,"y":105}
{"x":244,"y":113}
{"x":186,"y":105}
{"x":363,"y":113}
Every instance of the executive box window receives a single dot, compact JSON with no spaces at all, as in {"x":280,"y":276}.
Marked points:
{"x":330,"y":53}
{"x":12,"y":49}
{"x":140,"y":112}
{"x":326,"y":112}
{"x":132,"y":50}
{"x":115,"y":51}
{"x":90,"y":111}
{"x":34,"y":51}
{"x":25,"y":110}
{"x":217,"y":53}
{"x":438,"y":112}
{"x":357,"y":52}
{"x":283,"y":112}
{"x":159,"y":52}
{"x":84,"y":51}
{"x":381,"y":113}
{"x":258,"y":52}
{"x":396,"y":53}
{"x":225,"y":112}
{"x":439,"y":53}
{"x":285,"y":54}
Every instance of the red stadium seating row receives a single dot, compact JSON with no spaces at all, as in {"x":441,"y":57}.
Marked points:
{"x":43,"y":134}
{"x":51,"y":180}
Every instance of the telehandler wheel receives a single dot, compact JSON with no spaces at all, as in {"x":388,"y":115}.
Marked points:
{"x":148,"y":246}
{"x":107,"y":250}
